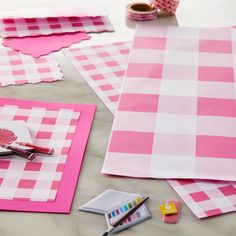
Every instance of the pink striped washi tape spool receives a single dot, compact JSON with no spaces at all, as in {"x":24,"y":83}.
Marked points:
{"x":168,"y":6}
{"x":140,"y":11}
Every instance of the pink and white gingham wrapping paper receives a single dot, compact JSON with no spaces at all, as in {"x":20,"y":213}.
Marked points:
{"x":18,"y":69}
{"x":204,"y":198}
{"x":176,"y":114}
{"x":53,"y":25}
{"x":102,"y":67}
{"x":38,"y":180}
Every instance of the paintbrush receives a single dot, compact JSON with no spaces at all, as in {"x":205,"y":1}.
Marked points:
{"x":118,"y":222}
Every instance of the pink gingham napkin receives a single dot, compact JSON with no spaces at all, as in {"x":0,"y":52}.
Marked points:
{"x":17,"y":69}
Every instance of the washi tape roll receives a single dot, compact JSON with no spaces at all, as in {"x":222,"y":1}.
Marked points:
{"x":140,"y":11}
{"x":168,"y":6}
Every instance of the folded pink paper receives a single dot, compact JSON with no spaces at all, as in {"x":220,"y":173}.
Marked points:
{"x":43,"y":45}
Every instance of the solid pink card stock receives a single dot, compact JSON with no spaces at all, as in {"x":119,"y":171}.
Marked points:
{"x":179,"y":90}
{"x":48,"y":183}
{"x":204,"y":198}
{"x":43,"y":45}
{"x":18,"y":69}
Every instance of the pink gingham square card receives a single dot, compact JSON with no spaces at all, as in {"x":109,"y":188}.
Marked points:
{"x":46,"y":184}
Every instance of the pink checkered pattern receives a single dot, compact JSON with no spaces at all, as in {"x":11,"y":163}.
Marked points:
{"x":207,"y":198}
{"x":18,"y":69}
{"x":38,"y":180}
{"x":176,"y":116}
{"x":103,"y":68}
{"x":221,"y":195}
{"x":53,"y":25}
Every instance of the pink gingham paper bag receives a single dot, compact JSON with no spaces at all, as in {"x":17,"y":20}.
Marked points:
{"x":204,"y":198}
{"x":176,"y":114}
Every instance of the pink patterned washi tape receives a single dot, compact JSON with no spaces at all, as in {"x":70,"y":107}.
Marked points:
{"x":168,"y":6}
{"x":140,"y":11}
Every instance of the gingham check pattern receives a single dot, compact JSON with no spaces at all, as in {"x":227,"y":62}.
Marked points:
{"x":176,"y":114}
{"x":205,"y":198}
{"x":38,"y":180}
{"x":53,"y":25}
{"x":17,"y":69}
{"x":102,"y":67}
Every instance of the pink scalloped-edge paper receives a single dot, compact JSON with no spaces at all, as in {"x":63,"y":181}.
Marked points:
{"x":48,"y":43}
{"x":75,"y":10}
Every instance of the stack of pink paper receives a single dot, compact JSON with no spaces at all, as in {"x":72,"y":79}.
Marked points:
{"x":179,"y":94}
{"x":24,"y":30}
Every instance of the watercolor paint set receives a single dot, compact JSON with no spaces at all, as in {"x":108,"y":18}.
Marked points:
{"x":117,"y":212}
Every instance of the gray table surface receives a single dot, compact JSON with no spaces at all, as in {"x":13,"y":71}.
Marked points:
{"x":204,"y":13}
